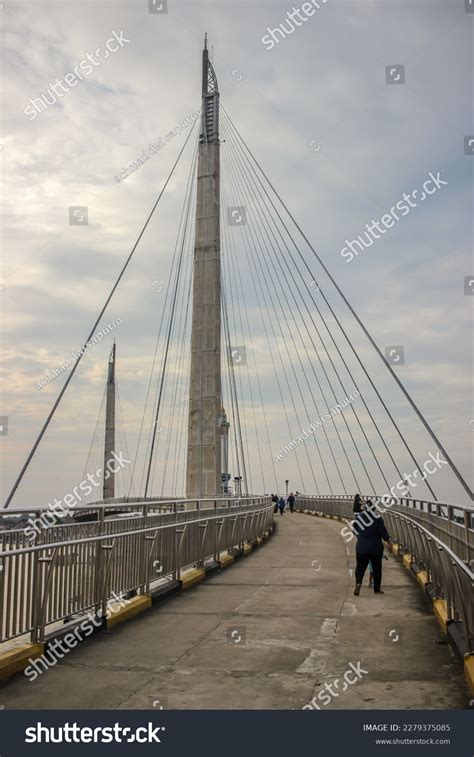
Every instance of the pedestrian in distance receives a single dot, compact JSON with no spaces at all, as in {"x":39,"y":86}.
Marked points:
{"x":275,"y":502}
{"x":291,"y":502}
{"x":371,"y":534}
{"x":356,"y":508}
{"x":281,"y":505}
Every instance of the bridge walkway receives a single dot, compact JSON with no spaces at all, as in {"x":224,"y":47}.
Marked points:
{"x":268,"y":632}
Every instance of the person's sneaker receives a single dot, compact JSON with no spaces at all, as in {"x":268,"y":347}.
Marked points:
{"x":357,"y":590}
{"x":380,"y":591}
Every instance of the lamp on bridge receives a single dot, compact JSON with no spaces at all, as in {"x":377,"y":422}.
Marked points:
{"x":287,"y":481}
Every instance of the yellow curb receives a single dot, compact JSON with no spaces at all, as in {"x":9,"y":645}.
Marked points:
{"x":396,"y":549}
{"x":133,"y":607}
{"x":259,"y":540}
{"x":247,"y":549}
{"x":225,"y":559}
{"x":191,"y":577}
{"x":469,"y":671}
{"x":441,"y":612}
{"x":18,"y":658}
{"x":407,"y":561}
{"x":423,"y":578}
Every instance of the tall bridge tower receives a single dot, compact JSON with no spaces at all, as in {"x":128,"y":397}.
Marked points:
{"x":108,"y":491}
{"x":203,"y":472}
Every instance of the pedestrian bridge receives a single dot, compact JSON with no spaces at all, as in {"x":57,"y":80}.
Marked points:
{"x":230,"y":606}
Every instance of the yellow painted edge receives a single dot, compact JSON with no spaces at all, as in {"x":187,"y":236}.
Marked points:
{"x":225,"y":559}
{"x":259,"y":540}
{"x":441,"y":612}
{"x":396,"y":549}
{"x":247,"y":549}
{"x":469,"y":671}
{"x":191,"y":577}
{"x":407,"y":560}
{"x":133,"y":607}
{"x":423,"y":578}
{"x":18,"y":658}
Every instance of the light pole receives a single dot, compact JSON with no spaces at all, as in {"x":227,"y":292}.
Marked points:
{"x":238,"y":486}
{"x":286,"y":484}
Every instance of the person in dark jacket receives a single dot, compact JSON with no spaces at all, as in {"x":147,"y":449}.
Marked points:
{"x":371,"y":534}
{"x":356,"y":508}
{"x":275,"y":503}
{"x":281,"y":505}
{"x":291,"y":502}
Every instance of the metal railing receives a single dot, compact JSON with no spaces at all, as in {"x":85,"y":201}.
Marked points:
{"x":73,"y":569}
{"x":414,"y":528}
{"x":452,"y":524}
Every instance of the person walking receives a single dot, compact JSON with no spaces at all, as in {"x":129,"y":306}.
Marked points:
{"x":291,"y":502}
{"x":281,"y":505}
{"x":275,"y":503}
{"x":356,"y":508}
{"x":371,"y":534}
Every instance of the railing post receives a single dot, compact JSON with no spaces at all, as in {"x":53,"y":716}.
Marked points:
{"x":142,"y":556}
{"x":175,"y":543}
{"x":99,"y":562}
{"x":467,"y":526}
{"x":216,"y":545}
{"x":36,"y":599}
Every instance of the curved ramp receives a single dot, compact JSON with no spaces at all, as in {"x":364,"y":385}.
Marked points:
{"x":273,"y":631}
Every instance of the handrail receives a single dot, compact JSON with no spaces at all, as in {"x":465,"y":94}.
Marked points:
{"x":453,"y":524}
{"x":48,"y":582}
{"x":120,"y":534}
{"x":6,"y":512}
{"x":449,"y":573}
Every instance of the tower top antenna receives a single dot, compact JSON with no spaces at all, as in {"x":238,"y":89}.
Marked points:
{"x":205,"y":41}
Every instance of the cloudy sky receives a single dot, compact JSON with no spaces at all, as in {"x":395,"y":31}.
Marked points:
{"x":341,"y":146}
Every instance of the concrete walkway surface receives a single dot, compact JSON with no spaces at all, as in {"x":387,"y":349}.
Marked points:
{"x":272,"y":631}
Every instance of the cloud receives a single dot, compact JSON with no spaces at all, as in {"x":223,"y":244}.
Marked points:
{"x":324,"y":82}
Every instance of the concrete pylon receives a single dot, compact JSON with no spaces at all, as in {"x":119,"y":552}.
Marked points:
{"x":203,"y":472}
{"x":109,"y":446}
